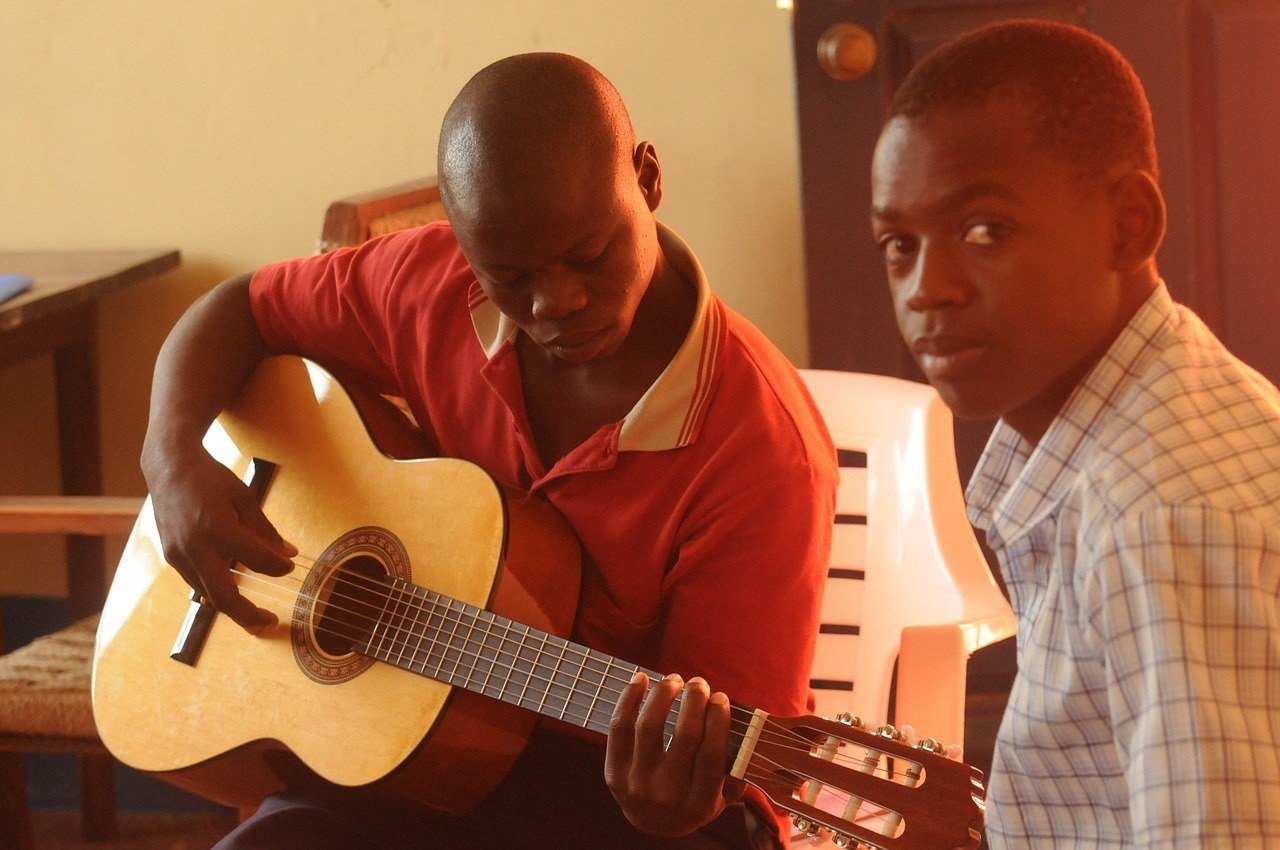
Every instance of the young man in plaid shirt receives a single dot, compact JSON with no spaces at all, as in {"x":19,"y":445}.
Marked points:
{"x":1132,"y":487}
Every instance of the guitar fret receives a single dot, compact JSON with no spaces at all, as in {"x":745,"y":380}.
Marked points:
{"x":448,"y":641}
{"x":404,"y":643}
{"x":515,"y":665}
{"x":552,"y":680}
{"x":571,"y":689}
{"x":471,"y":658}
{"x":595,"y":697}
{"x":425,"y":624}
{"x":532,"y":679}
{"x":410,"y":622}
{"x":436,"y":620}
{"x":510,"y":668}
{"x":380,"y":621}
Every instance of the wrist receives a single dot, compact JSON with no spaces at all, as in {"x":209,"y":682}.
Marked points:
{"x":164,"y":453}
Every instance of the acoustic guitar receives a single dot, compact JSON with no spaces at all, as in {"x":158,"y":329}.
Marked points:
{"x":421,"y":634}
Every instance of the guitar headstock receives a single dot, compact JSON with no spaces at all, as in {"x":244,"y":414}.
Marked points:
{"x":866,"y":786}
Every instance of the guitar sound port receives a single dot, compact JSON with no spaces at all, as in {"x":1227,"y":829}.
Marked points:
{"x":348,"y":605}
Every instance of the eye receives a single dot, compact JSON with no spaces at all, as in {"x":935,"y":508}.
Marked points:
{"x":985,"y":233}
{"x":591,"y":260}
{"x":504,"y":283}
{"x":896,"y":247}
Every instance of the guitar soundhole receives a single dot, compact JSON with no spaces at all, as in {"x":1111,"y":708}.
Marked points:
{"x":340,"y":599}
{"x":349,"y":604}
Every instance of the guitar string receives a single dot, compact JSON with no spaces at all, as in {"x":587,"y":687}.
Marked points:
{"x":783,"y":731}
{"x":775,"y":734}
{"x":760,"y":776}
{"x":402,"y":645}
{"x":841,"y":797}
{"x":623,"y":680}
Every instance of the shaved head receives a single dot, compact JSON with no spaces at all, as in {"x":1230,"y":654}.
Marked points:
{"x":552,"y":202}
{"x":524,"y":126}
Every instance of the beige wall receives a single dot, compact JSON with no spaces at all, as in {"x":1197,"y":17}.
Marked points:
{"x":224,"y":127}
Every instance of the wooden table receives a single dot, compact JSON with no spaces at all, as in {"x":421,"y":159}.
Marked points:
{"x":58,"y":315}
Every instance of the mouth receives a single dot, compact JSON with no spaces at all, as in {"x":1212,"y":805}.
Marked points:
{"x":945,"y":358}
{"x":574,"y":346}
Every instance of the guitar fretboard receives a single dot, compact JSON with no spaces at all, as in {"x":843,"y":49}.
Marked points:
{"x":441,"y":638}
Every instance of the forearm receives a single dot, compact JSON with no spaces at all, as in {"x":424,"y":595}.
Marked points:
{"x":208,"y":355}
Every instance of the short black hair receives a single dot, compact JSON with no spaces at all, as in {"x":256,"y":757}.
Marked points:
{"x":1089,"y":100}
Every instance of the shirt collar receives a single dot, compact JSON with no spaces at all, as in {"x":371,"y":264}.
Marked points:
{"x":670,"y":413}
{"x":1016,"y":485}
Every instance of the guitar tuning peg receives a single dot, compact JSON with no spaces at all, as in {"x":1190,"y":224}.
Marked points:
{"x":840,"y":840}
{"x":889,"y":732}
{"x":801,"y":824}
{"x":931,"y":745}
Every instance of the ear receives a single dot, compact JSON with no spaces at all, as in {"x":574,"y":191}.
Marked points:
{"x":1139,"y":220}
{"x":648,"y":174}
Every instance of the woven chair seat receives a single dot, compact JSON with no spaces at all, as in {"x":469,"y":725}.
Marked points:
{"x":44,"y":686}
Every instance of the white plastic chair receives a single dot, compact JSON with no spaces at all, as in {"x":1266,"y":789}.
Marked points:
{"x":904,"y":545}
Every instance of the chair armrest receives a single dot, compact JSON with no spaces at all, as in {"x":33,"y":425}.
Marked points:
{"x":932,"y":669}
{"x":347,"y":221}
{"x":89,"y":515}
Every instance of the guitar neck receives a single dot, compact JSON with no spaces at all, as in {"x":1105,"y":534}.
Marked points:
{"x":441,"y":638}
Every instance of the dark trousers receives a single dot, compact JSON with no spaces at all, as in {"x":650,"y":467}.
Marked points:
{"x":555,"y":797}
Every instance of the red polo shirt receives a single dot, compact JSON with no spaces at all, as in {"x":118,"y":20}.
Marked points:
{"x":705,"y":513}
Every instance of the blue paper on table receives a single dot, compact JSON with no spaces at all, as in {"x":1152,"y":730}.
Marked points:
{"x":13,"y":284}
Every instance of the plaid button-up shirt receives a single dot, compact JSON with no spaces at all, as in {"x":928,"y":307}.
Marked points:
{"x":1140,"y":542}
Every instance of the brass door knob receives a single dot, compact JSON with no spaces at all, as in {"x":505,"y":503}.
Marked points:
{"x":846,"y":51}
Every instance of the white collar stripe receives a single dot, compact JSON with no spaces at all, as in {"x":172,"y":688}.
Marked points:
{"x":670,"y":412}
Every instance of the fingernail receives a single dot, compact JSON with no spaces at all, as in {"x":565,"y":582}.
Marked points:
{"x":699,"y":682}
{"x":674,"y":677}
{"x":719,"y":698}
{"x":290,"y":548}
{"x":638,"y":677}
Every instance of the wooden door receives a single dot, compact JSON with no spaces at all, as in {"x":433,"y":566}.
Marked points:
{"x":1212,"y":73}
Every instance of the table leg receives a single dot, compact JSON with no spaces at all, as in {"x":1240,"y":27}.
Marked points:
{"x":79,"y":445}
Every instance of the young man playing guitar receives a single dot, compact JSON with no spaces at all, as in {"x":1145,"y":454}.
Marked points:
{"x":558,"y":336}
{"x":1131,"y":486}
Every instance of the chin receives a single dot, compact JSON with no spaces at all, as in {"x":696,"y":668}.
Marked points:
{"x":971,"y":402}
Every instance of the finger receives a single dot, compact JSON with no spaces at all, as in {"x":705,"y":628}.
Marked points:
{"x":689,"y":722}
{"x":621,"y":740}
{"x":709,"y":764}
{"x":246,"y":548}
{"x":652,"y":724}
{"x":252,"y":517}
{"x":224,"y":595}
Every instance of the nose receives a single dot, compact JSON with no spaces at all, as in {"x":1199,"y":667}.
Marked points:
{"x":558,"y":296}
{"x":936,"y":279}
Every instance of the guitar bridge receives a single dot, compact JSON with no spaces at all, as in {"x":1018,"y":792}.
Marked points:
{"x":200,"y":614}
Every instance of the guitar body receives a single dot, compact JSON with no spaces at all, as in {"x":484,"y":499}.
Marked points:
{"x":253,"y":714}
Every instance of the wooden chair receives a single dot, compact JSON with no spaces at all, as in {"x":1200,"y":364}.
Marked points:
{"x":353,"y":220}
{"x":44,"y":686}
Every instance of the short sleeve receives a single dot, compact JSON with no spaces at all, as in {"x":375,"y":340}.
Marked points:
{"x":347,"y":309}
{"x":1183,"y":605}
